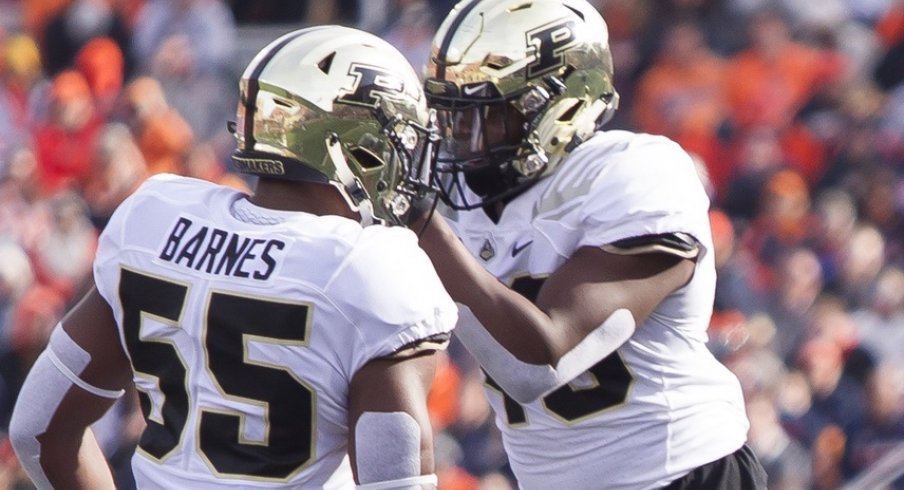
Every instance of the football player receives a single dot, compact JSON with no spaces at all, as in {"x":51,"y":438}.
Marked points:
{"x":275,"y":340}
{"x":583,"y":258}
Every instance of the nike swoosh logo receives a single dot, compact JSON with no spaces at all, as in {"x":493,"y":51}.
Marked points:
{"x":517,"y":249}
{"x":473,"y":89}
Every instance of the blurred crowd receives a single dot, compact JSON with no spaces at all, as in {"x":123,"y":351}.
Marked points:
{"x":793,"y":109}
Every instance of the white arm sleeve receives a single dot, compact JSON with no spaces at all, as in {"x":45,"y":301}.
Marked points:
{"x":53,"y":374}
{"x":527,"y":382}
{"x":38,"y":400}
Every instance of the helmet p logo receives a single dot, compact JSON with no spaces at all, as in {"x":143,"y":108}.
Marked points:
{"x":549,"y":42}
{"x":370,"y":84}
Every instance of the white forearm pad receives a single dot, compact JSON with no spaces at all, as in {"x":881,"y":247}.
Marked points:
{"x":527,"y":382}
{"x":387,"y":448}
{"x":71,"y":360}
{"x":41,"y":394}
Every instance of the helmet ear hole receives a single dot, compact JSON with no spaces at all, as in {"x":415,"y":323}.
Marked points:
{"x":576,"y":11}
{"x":572,"y":111}
{"x":496,"y":62}
{"x":326,"y":63}
{"x":366,"y":158}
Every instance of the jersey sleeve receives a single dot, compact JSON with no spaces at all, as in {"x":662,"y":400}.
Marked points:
{"x":112,"y":239}
{"x":649,"y":189}
{"x":109,"y":246}
{"x":390,"y":291}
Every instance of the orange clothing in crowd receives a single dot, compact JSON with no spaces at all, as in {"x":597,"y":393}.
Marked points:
{"x":442,"y":401}
{"x":456,"y":478}
{"x":165,"y":141}
{"x":677,"y":99}
{"x":36,"y":14}
{"x":769,"y":92}
{"x":685,"y":101}
{"x":804,"y":152}
{"x":103,"y":65}
{"x":890,"y":27}
{"x":65,"y":158}
{"x":64,"y":144}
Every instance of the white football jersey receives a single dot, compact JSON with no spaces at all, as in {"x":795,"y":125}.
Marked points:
{"x":660,"y":406}
{"x":244,"y":327}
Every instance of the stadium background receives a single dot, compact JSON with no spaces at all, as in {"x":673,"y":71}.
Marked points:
{"x":794,"y":110}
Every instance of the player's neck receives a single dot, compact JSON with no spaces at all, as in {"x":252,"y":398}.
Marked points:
{"x":307,"y":197}
{"x":494,"y":210}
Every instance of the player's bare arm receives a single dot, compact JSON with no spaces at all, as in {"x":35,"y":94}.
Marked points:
{"x":593,"y":284}
{"x":584,"y":311}
{"x":54,"y":440}
{"x":387,"y":403}
{"x":92,"y":326}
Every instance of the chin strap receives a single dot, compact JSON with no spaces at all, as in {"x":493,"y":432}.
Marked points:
{"x":351,"y":189}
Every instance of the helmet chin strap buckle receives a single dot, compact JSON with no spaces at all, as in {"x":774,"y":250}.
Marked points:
{"x":532,"y":164}
{"x":535,"y":100}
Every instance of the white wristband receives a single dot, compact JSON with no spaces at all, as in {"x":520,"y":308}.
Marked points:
{"x":420,"y":482}
{"x":41,"y":395}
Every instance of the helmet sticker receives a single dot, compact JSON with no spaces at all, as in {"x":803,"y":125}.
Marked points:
{"x":549,"y":43}
{"x":370,"y":82}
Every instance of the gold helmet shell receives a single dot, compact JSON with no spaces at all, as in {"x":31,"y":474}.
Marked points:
{"x":335,"y":105}
{"x":546,"y":62}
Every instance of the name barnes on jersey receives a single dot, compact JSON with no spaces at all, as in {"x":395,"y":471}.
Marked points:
{"x":215,"y":251}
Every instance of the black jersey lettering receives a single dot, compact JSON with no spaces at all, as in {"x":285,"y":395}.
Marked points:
{"x":221,"y":252}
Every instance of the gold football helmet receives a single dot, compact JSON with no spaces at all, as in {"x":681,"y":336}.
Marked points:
{"x":337,"y":105}
{"x":517,"y":85}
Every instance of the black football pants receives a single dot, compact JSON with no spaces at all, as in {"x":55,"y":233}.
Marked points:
{"x":740,"y":470}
